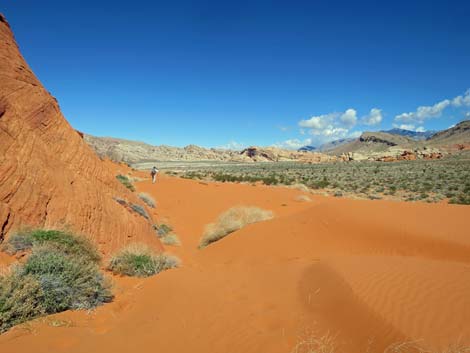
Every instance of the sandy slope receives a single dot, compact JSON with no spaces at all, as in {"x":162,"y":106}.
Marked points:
{"x":370,"y":272}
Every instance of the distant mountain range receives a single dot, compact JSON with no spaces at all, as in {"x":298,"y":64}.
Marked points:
{"x":415,"y":135}
{"x":368,"y":145}
{"x":381,"y":141}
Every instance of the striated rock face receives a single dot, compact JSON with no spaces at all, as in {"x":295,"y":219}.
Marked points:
{"x":49,"y":177}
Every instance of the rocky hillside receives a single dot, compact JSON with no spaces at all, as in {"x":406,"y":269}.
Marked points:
{"x":49,"y":177}
{"x":324,"y":148}
{"x":459,"y":134}
{"x":126,"y":151}
{"x":373,"y":143}
{"x":121,"y":150}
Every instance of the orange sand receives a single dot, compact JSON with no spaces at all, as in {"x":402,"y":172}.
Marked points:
{"x":369,"y":272}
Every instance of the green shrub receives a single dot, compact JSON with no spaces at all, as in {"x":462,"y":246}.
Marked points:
{"x":21,"y":299}
{"x":64,"y":241}
{"x":138,"y":260}
{"x":126,"y":182}
{"x":61,"y":273}
{"x":68,"y":282}
{"x":163,"y":229}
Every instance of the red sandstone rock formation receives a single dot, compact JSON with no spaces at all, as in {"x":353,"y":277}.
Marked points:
{"x":49,"y":177}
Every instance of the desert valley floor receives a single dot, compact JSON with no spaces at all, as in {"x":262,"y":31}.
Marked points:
{"x":369,"y":276}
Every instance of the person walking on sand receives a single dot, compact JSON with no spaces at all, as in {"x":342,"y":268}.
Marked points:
{"x":154,"y":173}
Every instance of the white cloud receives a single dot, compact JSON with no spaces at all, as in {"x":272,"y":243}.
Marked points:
{"x":349,"y":117}
{"x":318,"y":122}
{"x":293,"y":144}
{"x":434,"y":111}
{"x":330,"y":126}
{"x":410,"y":127}
{"x":374,"y":118}
{"x":463,"y":100}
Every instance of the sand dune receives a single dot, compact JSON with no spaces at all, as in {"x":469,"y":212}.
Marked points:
{"x":371,"y":273}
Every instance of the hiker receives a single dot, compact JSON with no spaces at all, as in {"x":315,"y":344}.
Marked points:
{"x":154,"y":173}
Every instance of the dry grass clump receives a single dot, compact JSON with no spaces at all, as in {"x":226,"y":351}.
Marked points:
{"x":313,"y":344}
{"x":170,"y":239}
{"x":231,"y":221}
{"x":138,"y":260}
{"x":300,"y":187}
{"x":147,"y":199}
{"x":303,"y":198}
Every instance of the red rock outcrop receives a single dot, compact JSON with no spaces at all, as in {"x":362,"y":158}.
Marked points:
{"x":49,"y":177}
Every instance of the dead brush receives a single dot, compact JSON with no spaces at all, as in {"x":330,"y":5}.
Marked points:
{"x":231,"y":221}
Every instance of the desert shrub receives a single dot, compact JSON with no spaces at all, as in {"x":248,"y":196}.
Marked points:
{"x":140,"y":210}
{"x":232,"y":220}
{"x":124,"y":180}
{"x":63,"y":241}
{"x":170,"y":239}
{"x":68,"y":281}
{"x":138,"y":260}
{"x":166,"y":235}
{"x":320,"y":184}
{"x":163,"y":229}
{"x":300,"y":187}
{"x":61,"y":273}
{"x":21,"y":299}
{"x":461,"y":199}
{"x":147,"y":199}
{"x":303,"y":198}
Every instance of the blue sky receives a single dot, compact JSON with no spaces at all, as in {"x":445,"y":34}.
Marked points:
{"x":220,"y":73}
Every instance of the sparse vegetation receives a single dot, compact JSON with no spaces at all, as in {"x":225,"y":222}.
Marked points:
{"x":420,"y":180}
{"x":138,"y":260}
{"x":163,"y":229}
{"x":313,"y":343}
{"x":133,"y":207}
{"x":124,"y":179}
{"x":139,"y":210}
{"x":63,"y":241}
{"x":170,"y":239}
{"x":166,"y":235}
{"x":147,"y":199}
{"x":231,"y":221}
{"x":61,"y":273}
